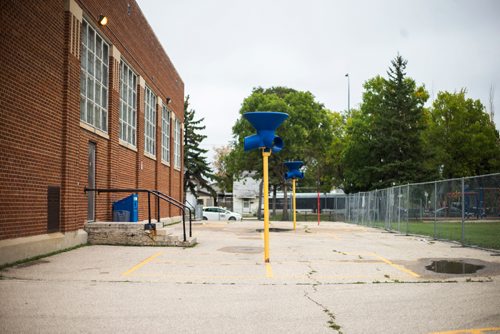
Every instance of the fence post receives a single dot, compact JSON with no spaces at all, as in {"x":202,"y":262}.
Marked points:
{"x":399,"y":209}
{"x":408,"y":207}
{"x":435,"y":210}
{"x":463,"y":210}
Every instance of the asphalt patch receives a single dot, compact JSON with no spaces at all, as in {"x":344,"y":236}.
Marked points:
{"x":242,"y":249}
{"x":274,"y":229}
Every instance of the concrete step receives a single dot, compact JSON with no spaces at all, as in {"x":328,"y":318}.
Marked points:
{"x":165,"y":237}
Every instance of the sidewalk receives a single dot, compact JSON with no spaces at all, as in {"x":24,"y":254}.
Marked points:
{"x":320,"y":279}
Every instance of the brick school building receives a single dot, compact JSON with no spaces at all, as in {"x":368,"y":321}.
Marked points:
{"x":84,"y":103}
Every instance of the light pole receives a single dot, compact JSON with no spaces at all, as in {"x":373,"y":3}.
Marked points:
{"x":348,"y":93}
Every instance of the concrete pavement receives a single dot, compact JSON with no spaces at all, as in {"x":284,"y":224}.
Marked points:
{"x":330,"y":278}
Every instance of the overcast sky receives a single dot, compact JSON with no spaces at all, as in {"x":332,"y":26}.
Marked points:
{"x":224,"y":48}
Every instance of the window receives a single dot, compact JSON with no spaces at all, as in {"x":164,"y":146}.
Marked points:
{"x":94,"y":79}
{"x":150,"y":122}
{"x":128,"y":101}
{"x":177,"y":144}
{"x":165,"y":134}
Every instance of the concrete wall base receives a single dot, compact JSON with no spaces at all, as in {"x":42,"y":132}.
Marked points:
{"x":133,"y":234}
{"x":12,"y":250}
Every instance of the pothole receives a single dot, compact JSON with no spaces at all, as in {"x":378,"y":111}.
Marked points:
{"x":242,"y":249}
{"x":453,"y":267}
{"x":274,"y":229}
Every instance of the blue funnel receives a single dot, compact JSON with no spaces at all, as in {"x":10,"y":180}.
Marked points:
{"x":293,"y":167}
{"x":266,"y":124}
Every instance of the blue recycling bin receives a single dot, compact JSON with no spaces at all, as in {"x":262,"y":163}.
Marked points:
{"x":126,"y":209}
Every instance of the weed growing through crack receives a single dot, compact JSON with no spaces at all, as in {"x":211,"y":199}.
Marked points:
{"x":339,"y":252}
{"x":331,"y":323}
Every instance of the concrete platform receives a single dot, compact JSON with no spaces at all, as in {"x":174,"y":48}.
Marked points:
{"x":134,"y":234}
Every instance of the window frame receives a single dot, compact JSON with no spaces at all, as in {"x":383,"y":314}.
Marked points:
{"x":94,"y":80}
{"x":150,"y":101}
{"x":177,"y":144}
{"x":128,"y":113}
{"x":165,"y":134}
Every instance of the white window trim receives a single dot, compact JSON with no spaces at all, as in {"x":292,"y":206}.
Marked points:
{"x":169,"y":117}
{"x":149,"y":155}
{"x":122,"y":101}
{"x":127,"y":145}
{"x":146,"y":120}
{"x":94,"y":130}
{"x":177,"y":145}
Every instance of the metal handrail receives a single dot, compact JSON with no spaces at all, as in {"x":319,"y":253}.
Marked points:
{"x":168,"y":199}
{"x":181,"y":204}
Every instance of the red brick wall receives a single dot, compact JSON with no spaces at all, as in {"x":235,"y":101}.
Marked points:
{"x":30,"y":112}
{"x":41,"y":141}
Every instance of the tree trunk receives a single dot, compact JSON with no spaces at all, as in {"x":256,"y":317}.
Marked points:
{"x":259,"y":209}
{"x":285,"y":202}
{"x":274,"y":199}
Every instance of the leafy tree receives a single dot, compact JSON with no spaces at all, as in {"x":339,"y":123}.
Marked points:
{"x":308,"y":134}
{"x":384,"y":144}
{"x":462,"y":139}
{"x":222,"y":165}
{"x":357,"y":156}
{"x":196,"y":169}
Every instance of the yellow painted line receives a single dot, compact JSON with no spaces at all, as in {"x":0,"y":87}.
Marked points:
{"x":269,"y":270}
{"x":141,"y":264}
{"x":397,"y":266}
{"x":470,"y":331}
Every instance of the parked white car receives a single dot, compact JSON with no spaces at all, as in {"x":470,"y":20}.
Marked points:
{"x":217,"y":213}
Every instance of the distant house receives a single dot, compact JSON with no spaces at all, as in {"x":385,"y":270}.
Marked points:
{"x":202,"y":197}
{"x":246,"y":194}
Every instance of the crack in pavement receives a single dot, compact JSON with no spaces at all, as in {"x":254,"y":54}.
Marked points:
{"x":331,"y":322}
{"x":315,"y":282}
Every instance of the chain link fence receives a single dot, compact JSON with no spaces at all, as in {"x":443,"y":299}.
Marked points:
{"x":332,"y":206}
{"x":466,"y":210}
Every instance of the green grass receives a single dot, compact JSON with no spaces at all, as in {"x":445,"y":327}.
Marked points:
{"x":307,"y":217}
{"x":482,"y":234}
{"x":477,"y":233}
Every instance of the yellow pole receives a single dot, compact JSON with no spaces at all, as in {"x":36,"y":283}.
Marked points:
{"x":294,"y":205}
{"x":265,"y":156}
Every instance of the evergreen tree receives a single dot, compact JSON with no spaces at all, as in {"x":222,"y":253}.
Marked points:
{"x":384,"y":144}
{"x":398,"y":128}
{"x":196,"y":169}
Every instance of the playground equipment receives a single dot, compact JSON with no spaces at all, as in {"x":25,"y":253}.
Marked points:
{"x":294,"y":173}
{"x":265,"y":123}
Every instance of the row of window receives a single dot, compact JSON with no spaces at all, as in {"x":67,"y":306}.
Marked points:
{"x":94,"y":99}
